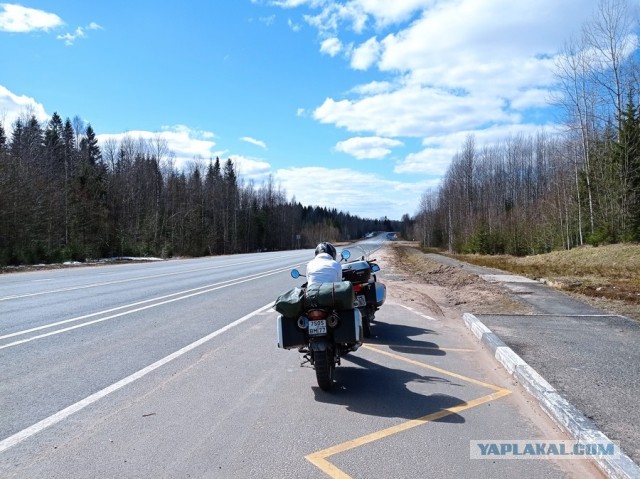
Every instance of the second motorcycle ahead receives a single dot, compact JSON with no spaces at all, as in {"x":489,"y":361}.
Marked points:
{"x":370,"y":294}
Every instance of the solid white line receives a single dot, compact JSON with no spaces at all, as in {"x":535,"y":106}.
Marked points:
{"x":68,"y":411}
{"x":77,"y":326}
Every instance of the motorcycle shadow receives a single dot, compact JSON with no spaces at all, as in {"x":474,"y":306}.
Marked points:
{"x":398,"y":338}
{"x":377,"y":390}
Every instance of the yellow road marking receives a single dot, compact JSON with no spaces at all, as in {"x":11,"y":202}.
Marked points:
{"x":433,"y":368}
{"x":434,"y":348}
{"x":319,"y":459}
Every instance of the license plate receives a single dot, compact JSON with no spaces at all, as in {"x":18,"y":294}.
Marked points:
{"x":317,"y":327}
{"x":361,"y":300}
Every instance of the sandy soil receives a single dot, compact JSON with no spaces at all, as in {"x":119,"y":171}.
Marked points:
{"x":445,"y":291}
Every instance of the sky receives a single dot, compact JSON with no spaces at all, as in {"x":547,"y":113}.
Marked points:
{"x":357,"y":105}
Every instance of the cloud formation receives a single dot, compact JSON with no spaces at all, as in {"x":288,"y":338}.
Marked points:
{"x":18,"y":19}
{"x":253,"y":141}
{"x":319,"y":186}
{"x":367,"y":147}
{"x":445,"y":69}
{"x":80,"y":32}
{"x":184,"y":143}
{"x":14,"y":106}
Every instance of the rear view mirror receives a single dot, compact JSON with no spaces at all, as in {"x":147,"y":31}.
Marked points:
{"x":295,"y":274}
{"x":346,"y":254}
{"x":375,"y":268}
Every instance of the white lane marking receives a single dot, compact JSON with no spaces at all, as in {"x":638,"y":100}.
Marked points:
{"x":416,"y":312}
{"x":98,"y":313}
{"x":42,"y":280}
{"x":68,"y":411}
{"x":212,"y":287}
{"x":139,"y":278}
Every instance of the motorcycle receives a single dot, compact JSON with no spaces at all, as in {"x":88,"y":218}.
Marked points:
{"x":370,"y":294}
{"x":324,"y":321}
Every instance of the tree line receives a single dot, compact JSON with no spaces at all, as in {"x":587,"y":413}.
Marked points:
{"x":65,"y":197}
{"x":533,"y":194}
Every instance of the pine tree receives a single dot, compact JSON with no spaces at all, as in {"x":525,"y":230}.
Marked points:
{"x":89,"y":199}
{"x":628,"y":158}
{"x":3,"y":138}
{"x":230,"y":207}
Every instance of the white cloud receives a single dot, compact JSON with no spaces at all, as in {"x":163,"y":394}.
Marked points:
{"x":14,"y":106}
{"x":251,"y":169}
{"x":334,"y":188}
{"x":253,"y":141}
{"x":80,"y":32}
{"x":331,"y":46}
{"x":434,"y":159}
{"x":355,"y":14}
{"x":188,"y":147}
{"x":294,"y":3}
{"x":184,"y":143}
{"x":372,"y":88}
{"x":531,"y":98}
{"x":365,"y":55}
{"x":413,"y":112}
{"x":386,"y":12}
{"x":19,"y":19}
{"x":334,"y":14}
{"x":491,"y":47}
{"x":372,"y":147}
{"x":294,"y":26}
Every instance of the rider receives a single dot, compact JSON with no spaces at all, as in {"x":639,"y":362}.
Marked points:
{"x":324,"y":268}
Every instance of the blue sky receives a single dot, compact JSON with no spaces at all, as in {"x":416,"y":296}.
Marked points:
{"x":357,"y":105}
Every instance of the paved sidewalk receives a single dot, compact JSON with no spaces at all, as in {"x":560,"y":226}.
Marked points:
{"x":590,"y":357}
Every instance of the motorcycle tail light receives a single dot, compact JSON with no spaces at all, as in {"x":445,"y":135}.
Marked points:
{"x":316,"y":314}
{"x":357,"y":288}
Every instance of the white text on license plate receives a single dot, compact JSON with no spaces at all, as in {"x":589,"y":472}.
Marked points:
{"x":361,"y":300}
{"x":317,"y":327}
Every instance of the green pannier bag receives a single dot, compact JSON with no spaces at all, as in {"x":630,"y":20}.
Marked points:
{"x":337,"y":295}
{"x":291,"y":303}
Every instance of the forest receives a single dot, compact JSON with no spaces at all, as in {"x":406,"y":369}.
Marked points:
{"x":580,"y":185}
{"x":64,"y":197}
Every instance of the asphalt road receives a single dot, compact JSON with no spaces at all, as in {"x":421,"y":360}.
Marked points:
{"x":171,"y":369}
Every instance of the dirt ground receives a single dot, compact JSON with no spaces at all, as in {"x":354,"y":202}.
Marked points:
{"x":446,"y":291}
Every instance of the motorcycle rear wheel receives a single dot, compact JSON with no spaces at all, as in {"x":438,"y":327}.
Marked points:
{"x":325,"y":368}
{"x":366,"y":326}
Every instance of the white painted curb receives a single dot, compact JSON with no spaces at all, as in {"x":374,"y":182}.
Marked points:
{"x":560,"y":410}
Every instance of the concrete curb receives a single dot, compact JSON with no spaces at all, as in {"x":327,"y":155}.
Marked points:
{"x":560,"y":410}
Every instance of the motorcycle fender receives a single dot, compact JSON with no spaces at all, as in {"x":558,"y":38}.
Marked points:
{"x":319,"y":344}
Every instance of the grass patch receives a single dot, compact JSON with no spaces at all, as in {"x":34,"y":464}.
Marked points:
{"x":609,"y":272}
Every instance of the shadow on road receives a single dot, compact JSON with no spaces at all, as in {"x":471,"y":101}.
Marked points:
{"x":398,"y":338}
{"x":377,"y":390}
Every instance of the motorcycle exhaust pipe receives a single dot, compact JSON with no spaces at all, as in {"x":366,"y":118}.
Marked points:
{"x":332,"y":321}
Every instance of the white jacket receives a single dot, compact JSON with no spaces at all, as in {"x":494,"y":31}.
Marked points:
{"x":323,"y":269}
